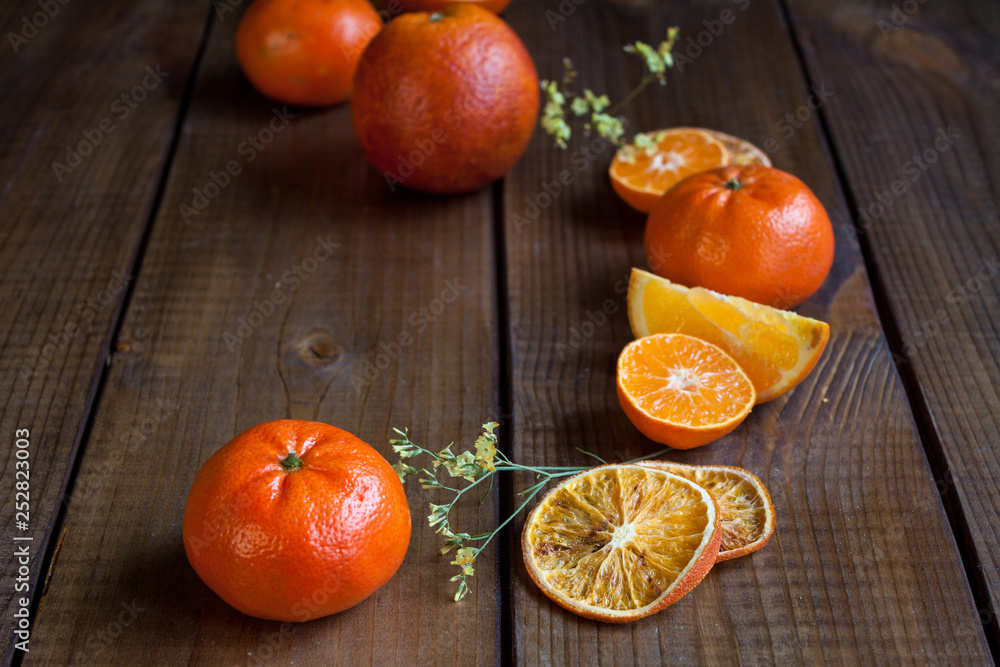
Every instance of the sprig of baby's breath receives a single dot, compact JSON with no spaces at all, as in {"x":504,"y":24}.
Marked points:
{"x":475,"y":467}
{"x":602,"y":116}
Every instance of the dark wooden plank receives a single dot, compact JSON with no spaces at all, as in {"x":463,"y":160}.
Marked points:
{"x":863,"y":568}
{"x":178,"y":388}
{"x":914,"y":122}
{"x":71,"y":224}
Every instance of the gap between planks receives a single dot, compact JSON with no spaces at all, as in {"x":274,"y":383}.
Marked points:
{"x":505,"y":608}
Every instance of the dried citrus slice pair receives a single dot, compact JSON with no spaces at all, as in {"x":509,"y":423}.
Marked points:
{"x":620,"y":542}
{"x":642,"y":171}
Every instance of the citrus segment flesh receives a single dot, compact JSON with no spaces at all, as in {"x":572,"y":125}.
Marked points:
{"x":640,"y":178}
{"x":746,"y":513}
{"x":682,"y":391}
{"x":776,"y":348}
{"x":620,"y":542}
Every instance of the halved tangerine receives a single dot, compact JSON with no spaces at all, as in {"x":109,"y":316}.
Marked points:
{"x":620,"y":542}
{"x":682,"y":391}
{"x":640,"y":177}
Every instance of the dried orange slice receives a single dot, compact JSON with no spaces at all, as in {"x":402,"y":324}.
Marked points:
{"x":776,"y":348}
{"x":640,"y":176}
{"x":620,"y":542}
{"x":682,"y":391}
{"x":741,"y":151}
{"x":746,"y":513}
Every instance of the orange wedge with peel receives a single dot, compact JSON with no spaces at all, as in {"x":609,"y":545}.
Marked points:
{"x":776,"y":348}
{"x":746,"y":513}
{"x":640,"y":175}
{"x":620,"y":542}
{"x":682,"y":391}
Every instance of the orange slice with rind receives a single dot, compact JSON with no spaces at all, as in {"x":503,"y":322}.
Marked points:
{"x":620,"y":542}
{"x":682,"y":391}
{"x":776,"y":348}
{"x":746,"y":512}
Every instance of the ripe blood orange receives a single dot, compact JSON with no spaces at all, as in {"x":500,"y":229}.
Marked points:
{"x":293,"y":520}
{"x":445,"y":102}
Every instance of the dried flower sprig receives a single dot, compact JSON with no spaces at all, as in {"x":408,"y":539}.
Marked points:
{"x":474,"y":467}
{"x":603,"y":117}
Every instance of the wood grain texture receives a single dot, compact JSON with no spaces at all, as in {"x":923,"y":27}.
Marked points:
{"x":69,"y":237}
{"x":914,"y":122}
{"x":179,"y":387}
{"x":848,"y":577}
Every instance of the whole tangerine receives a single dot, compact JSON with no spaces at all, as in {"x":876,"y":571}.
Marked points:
{"x":445,"y":102}
{"x":743,"y":230}
{"x":293,"y":520}
{"x":305,"y":52}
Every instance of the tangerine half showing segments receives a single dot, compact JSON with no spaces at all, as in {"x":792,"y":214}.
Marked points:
{"x":682,"y":391}
{"x":620,"y":542}
{"x":641,"y":176}
{"x":293,"y":520}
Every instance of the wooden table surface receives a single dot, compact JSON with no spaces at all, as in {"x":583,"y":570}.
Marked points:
{"x":131,"y":350}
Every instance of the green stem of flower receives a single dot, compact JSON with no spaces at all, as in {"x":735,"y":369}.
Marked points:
{"x":646,"y":80}
{"x":543,"y":469}
{"x":508,"y":520}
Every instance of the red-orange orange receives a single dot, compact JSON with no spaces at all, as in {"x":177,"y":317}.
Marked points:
{"x":305,"y":51}
{"x":445,"y":102}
